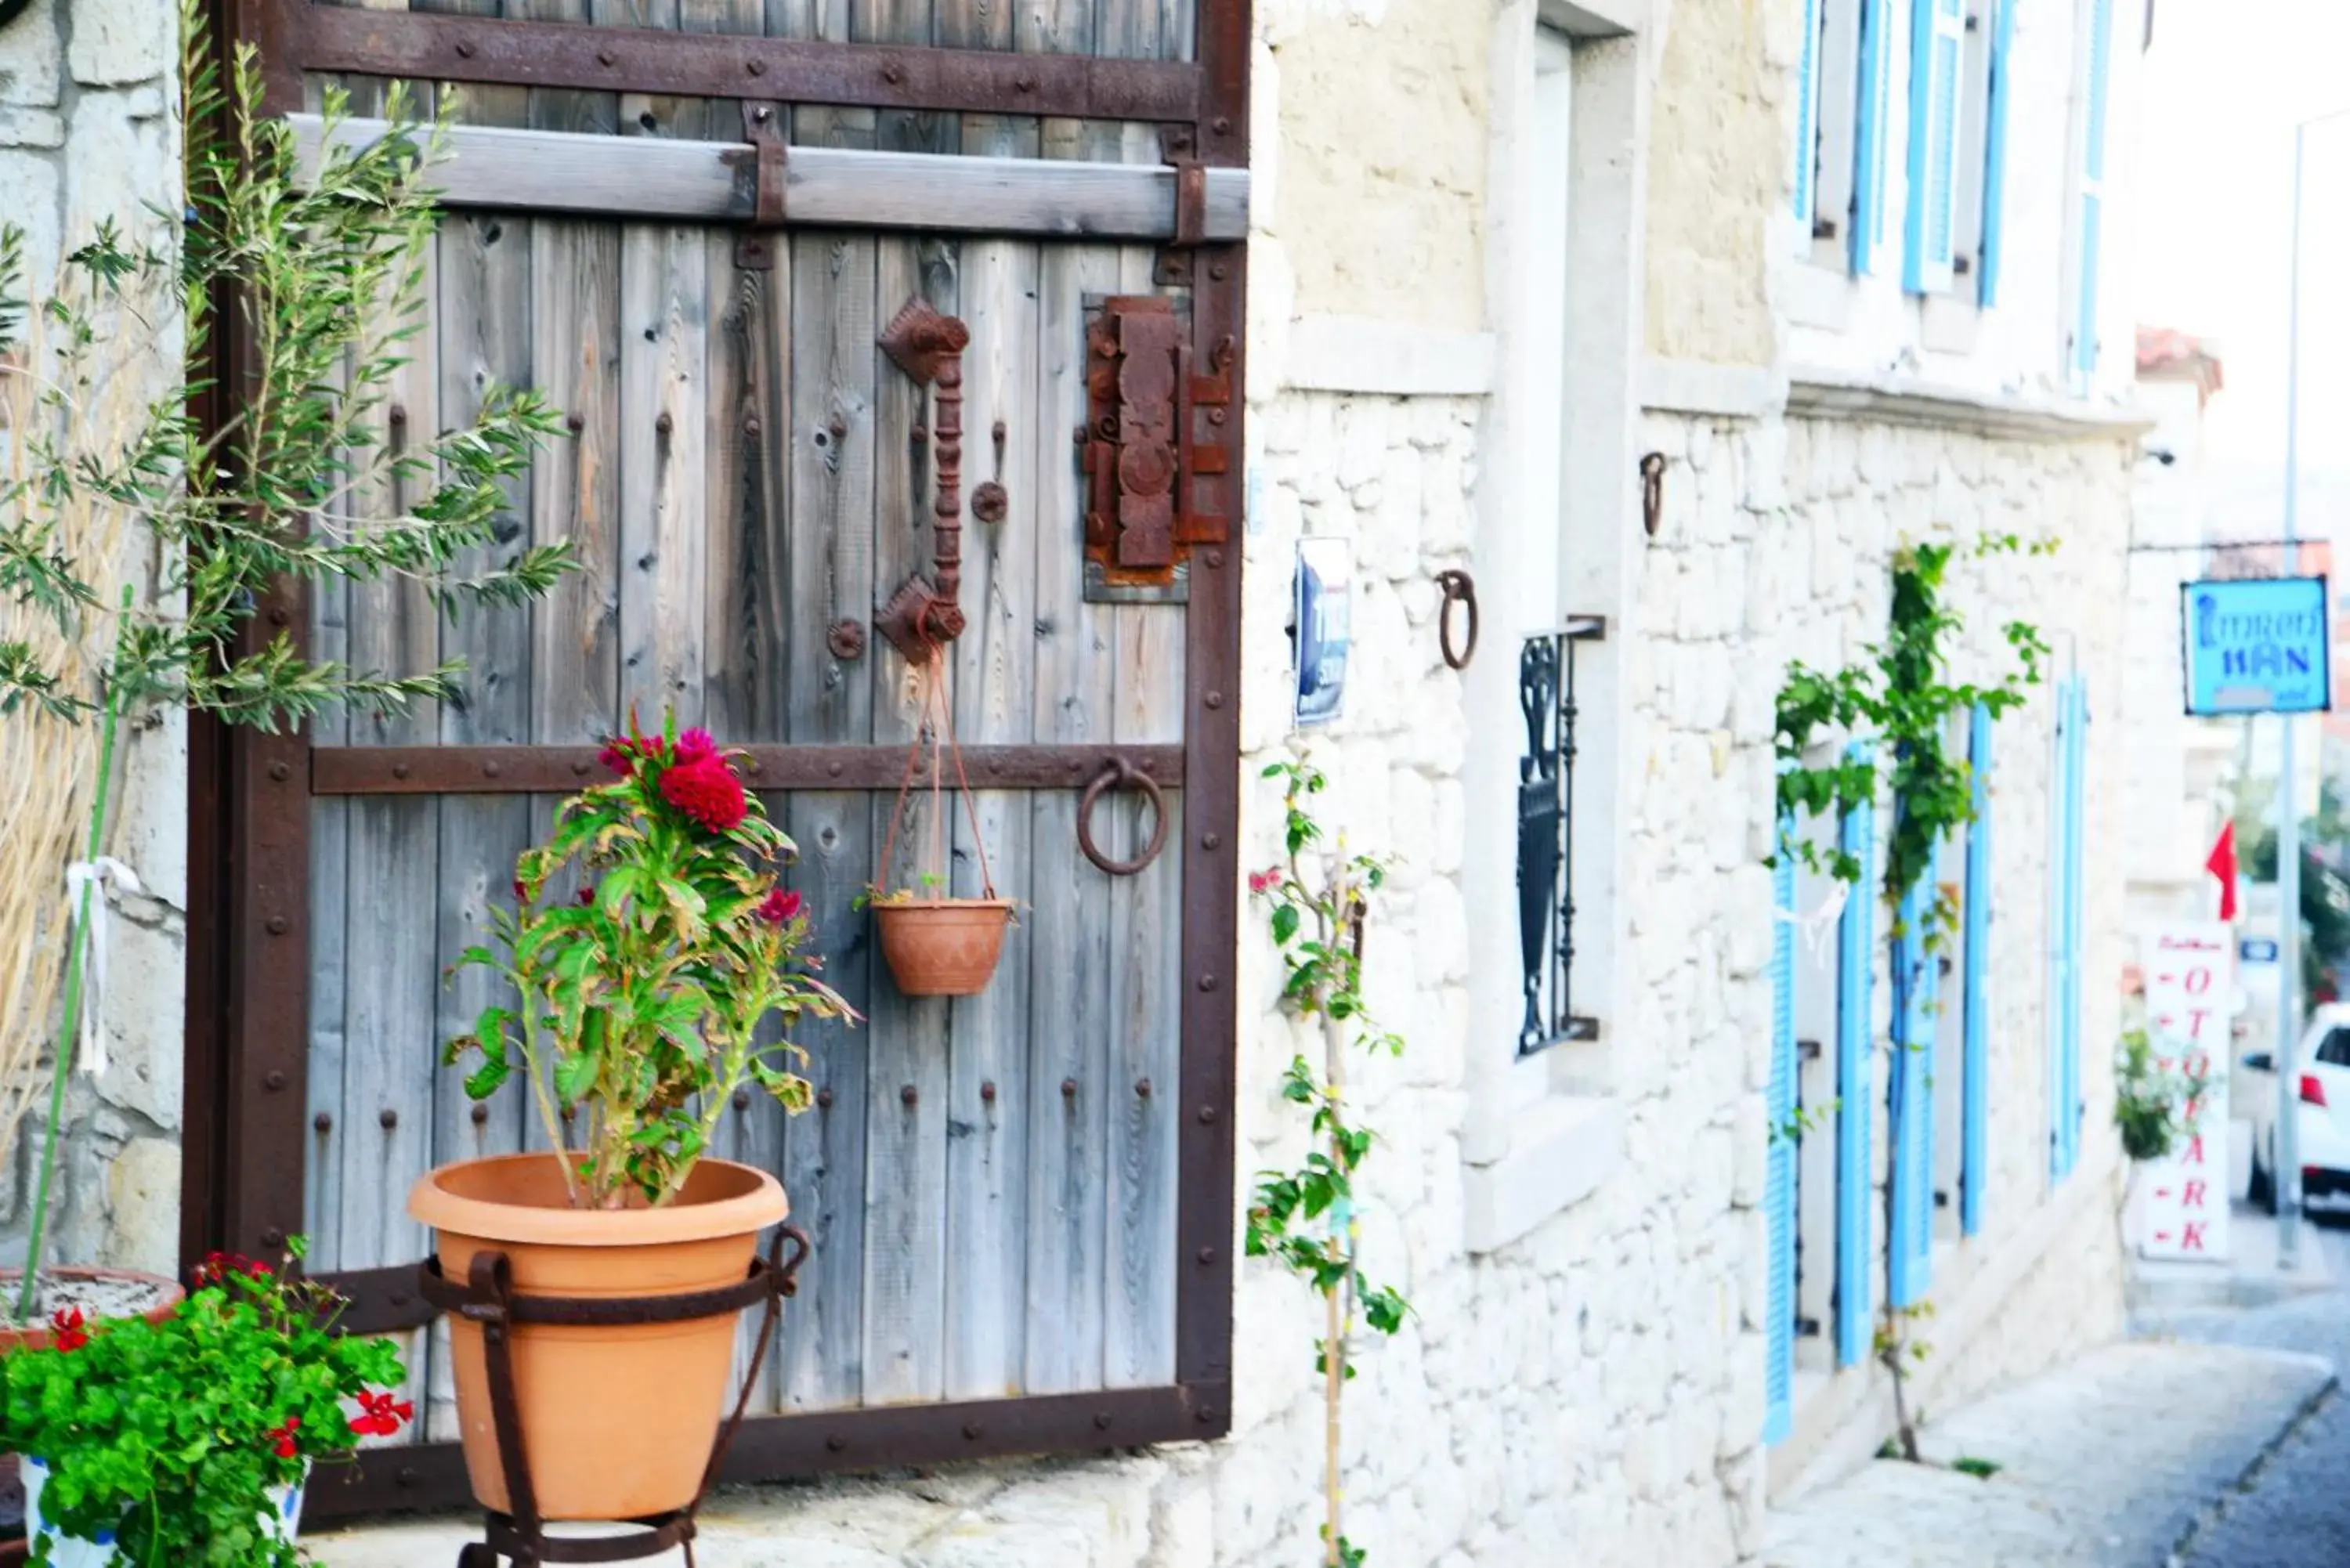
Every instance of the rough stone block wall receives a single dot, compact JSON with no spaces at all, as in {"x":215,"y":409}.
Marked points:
{"x":1776,"y":543}
{"x":88,"y":134}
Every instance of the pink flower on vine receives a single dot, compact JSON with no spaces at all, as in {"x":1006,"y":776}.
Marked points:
{"x":1264,"y":881}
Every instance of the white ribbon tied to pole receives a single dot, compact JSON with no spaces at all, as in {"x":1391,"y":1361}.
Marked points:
{"x":93,"y":875}
{"x":1814,"y":926}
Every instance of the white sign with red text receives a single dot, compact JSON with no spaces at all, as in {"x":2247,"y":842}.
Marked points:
{"x":2191,"y":974}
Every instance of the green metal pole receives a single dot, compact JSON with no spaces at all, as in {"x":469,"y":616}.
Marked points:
{"x":70,"y":1022}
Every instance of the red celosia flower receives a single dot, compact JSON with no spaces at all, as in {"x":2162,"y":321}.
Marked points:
{"x":522,"y":894}
{"x":67,"y":1327}
{"x":617,"y":756}
{"x":782,"y":907}
{"x":380,"y":1416}
{"x":282,"y":1438}
{"x":707,"y":791}
{"x":693,"y":745}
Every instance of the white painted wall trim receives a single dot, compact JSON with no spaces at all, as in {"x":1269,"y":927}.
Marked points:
{"x":1697,"y":387}
{"x":1814,"y":393}
{"x":1393,"y":359}
{"x":1561,"y":1149}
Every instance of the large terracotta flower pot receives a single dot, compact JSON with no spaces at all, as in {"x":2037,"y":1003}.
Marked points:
{"x":617,"y":1421}
{"x":943,"y":946}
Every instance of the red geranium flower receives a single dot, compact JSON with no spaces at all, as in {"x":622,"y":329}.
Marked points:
{"x":66,"y":1326}
{"x":217,"y":1267}
{"x":707,"y":791}
{"x":380,"y":1416}
{"x":693,"y":745}
{"x":782,"y":907}
{"x":282,"y":1438}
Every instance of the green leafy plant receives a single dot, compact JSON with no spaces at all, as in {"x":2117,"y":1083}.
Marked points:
{"x":641,"y":998}
{"x":1316,"y":901}
{"x":309,"y":478}
{"x":173,"y":1435}
{"x":1899,"y":698}
{"x":2153,"y":1108}
{"x":1982,"y":1470}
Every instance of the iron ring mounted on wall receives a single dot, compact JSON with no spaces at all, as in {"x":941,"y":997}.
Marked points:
{"x":1459,"y":589}
{"x":1122,"y":774}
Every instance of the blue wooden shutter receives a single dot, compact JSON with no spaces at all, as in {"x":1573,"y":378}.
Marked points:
{"x":1807,"y":130}
{"x":1974,"y":1138}
{"x":1995,"y":112}
{"x":1779,"y":1197}
{"x":2093,"y":194}
{"x":1911,"y":1245}
{"x":1855,"y":1089}
{"x":1874,"y":121}
{"x":1937,"y":67}
{"x":2064,"y":970}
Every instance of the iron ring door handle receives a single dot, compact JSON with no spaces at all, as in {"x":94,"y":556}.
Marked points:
{"x":1459,"y":589}
{"x":1122,"y":774}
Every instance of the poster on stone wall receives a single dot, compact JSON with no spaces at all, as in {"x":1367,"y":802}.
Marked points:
{"x":2189,"y":977}
{"x":1325,"y":617}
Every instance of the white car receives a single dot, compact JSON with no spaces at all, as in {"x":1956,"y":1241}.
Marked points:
{"x":2321,"y":1105}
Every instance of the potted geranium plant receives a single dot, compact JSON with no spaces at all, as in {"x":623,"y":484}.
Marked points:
{"x":643,"y":997}
{"x":187,"y":1440}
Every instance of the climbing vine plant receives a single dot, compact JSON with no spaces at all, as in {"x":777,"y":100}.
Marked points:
{"x":1316,"y":901}
{"x":1899,"y":697}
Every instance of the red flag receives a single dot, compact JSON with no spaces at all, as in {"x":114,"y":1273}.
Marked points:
{"x":2221,"y":863}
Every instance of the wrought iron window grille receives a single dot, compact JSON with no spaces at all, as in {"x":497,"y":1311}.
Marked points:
{"x":1545,"y":836}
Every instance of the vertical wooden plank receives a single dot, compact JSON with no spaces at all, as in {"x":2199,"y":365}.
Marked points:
{"x":994,"y":662}
{"x":1146,"y":999}
{"x":574,"y":485}
{"x":1054,"y":27}
{"x":907,"y":1089}
{"x":664,"y":348}
{"x":1068,"y":920}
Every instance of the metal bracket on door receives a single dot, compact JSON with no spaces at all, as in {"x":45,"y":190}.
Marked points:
{"x":1142,"y":449}
{"x":767,"y":160}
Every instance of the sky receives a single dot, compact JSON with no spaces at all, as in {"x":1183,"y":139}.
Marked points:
{"x":2226,"y":81}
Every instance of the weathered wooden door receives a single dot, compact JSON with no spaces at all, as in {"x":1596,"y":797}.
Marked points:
{"x":690,"y":223}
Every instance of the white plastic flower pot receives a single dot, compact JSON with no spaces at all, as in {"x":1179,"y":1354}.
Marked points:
{"x":282,"y":1521}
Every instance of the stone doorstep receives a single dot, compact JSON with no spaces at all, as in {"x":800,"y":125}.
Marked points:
{"x":2109,"y":1460}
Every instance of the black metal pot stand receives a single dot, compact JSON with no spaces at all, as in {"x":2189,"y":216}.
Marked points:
{"x":488,"y":1298}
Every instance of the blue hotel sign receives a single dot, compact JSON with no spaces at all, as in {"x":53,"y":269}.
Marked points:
{"x":2257,"y":647}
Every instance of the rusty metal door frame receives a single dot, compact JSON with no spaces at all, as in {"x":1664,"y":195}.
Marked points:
{"x":248,"y":1011}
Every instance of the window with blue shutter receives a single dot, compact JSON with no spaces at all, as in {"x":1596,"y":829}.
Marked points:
{"x":1910,"y":1096}
{"x":1974,"y":1159}
{"x":1937,"y":54}
{"x":1874,"y":121}
{"x":2064,"y":970}
{"x":2091,"y":240}
{"x":1778,"y":1196}
{"x":1855,"y":1089}
{"x":1995,"y":112}
{"x":1807,"y":130}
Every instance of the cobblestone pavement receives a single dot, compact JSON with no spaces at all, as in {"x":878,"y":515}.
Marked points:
{"x":2294,"y":1511}
{"x":2104,"y":1463}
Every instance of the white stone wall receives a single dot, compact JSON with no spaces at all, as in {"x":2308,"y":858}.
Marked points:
{"x":87,"y":134}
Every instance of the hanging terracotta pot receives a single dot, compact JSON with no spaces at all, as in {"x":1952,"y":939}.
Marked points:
{"x":939,"y":946}
{"x":942,"y":947}
{"x":617,"y":1419}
